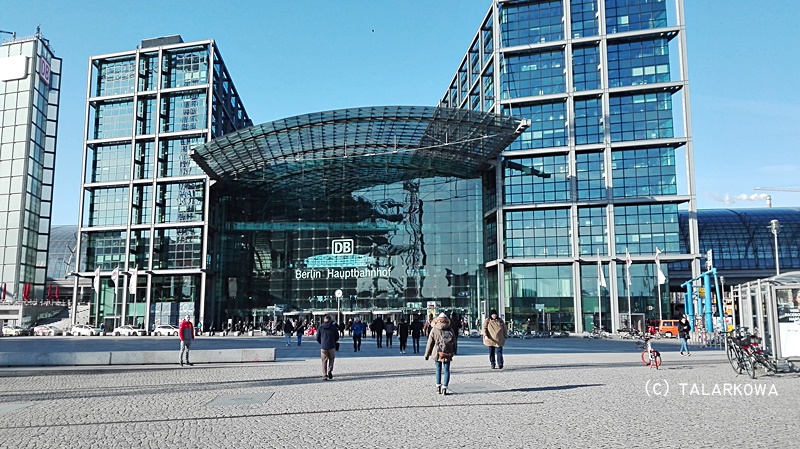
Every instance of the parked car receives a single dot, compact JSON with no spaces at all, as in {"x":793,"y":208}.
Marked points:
{"x":47,"y":329}
{"x":166,"y":329}
{"x":669,"y":328}
{"x":14,"y":331}
{"x":84,"y":330}
{"x":128,"y":331}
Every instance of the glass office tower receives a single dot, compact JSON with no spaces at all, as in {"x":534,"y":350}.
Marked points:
{"x":604,"y":167}
{"x":144,"y":216}
{"x":30,"y":80}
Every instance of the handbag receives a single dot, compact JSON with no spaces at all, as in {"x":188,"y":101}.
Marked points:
{"x":445,"y":356}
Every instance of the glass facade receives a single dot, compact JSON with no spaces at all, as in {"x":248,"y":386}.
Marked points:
{"x":144,"y":198}
{"x":29,"y":104}
{"x":598,"y":171}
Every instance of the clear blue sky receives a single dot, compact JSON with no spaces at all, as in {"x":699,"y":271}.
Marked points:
{"x":299,"y":56}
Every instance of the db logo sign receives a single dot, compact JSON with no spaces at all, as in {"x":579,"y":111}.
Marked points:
{"x":342,"y":247}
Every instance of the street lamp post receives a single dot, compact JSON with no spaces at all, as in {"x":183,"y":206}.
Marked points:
{"x":775,"y":227}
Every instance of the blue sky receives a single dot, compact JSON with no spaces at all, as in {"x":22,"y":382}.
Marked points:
{"x":294,"y":57}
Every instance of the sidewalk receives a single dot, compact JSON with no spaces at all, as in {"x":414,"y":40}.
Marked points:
{"x":568,"y":399}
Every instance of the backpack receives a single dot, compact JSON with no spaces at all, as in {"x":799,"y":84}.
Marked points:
{"x":445,"y":345}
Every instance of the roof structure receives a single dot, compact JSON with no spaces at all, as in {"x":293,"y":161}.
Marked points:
{"x":351,"y":149}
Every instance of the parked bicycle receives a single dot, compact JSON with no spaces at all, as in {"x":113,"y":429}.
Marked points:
{"x":745,"y":353}
{"x":650,"y":356}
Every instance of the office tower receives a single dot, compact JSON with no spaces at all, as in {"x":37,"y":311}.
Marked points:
{"x":30,"y":79}
{"x":144,"y":213}
{"x":604,"y":167}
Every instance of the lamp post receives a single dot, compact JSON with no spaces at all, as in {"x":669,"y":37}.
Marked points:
{"x":775,"y":227}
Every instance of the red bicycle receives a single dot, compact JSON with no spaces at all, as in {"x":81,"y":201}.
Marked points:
{"x":650,"y":356}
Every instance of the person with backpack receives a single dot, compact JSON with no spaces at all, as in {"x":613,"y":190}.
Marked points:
{"x":441,"y":343}
{"x":494,"y":336}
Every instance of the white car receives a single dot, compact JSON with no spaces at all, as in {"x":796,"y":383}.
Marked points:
{"x":84,"y":330}
{"x":15,"y":331}
{"x":128,"y":331}
{"x":48,"y":329}
{"x":166,"y":329}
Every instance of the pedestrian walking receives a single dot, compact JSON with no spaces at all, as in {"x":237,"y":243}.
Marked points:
{"x":683,"y":333}
{"x":402,"y":335}
{"x":455,"y":326}
{"x":377,"y":330}
{"x":288,"y":328}
{"x":359,"y":329}
{"x":416,"y":333}
{"x":186,"y":334}
{"x":389,"y":328}
{"x":440,"y":345}
{"x":327,"y":337}
{"x":494,"y":336}
{"x":299,"y":329}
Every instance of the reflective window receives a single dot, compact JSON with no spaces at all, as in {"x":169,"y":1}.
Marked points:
{"x":143,"y":160}
{"x":140,"y":249}
{"x":105,"y":250}
{"x":185,"y":68}
{"x":644,"y":172}
{"x":588,"y":121}
{"x":182,"y":112}
{"x":644,"y":227}
{"x":522,"y":187}
{"x":586,"y":68}
{"x":640,"y":117}
{"x":591,"y":176}
{"x":592,"y":231}
{"x":548,"y":286}
{"x":112,"y":119}
{"x":115,"y":77}
{"x":533,"y":74}
{"x":584,"y":18}
{"x":148,"y":72}
{"x":174,"y":157}
{"x":177,"y":248}
{"x":109,"y":163}
{"x":180,"y":202}
{"x":142,"y":206}
{"x":642,"y":62}
{"x":108,"y":206}
{"x":488,"y":39}
{"x":146,"y":116}
{"x":548,"y":125}
{"x":488,"y":88}
{"x":538,"y":233}
{"x":522,"y":24}
{"x":632,"y":15}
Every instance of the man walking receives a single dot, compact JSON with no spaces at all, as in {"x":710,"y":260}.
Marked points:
{"x":359,"y":329}
{"x":327,"y":336}
{"x":186,"y":333}
{"x":377,"y":328}
{"x":416,"y":332}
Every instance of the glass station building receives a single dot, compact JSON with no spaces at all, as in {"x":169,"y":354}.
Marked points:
{"x":563,"y":138}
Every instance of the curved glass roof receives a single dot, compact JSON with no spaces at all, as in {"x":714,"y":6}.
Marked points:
{"x":357,"y":148}
{"x":742,"y":240}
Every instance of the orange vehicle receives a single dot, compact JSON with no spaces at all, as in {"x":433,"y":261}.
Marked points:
{"x":669,"y":328}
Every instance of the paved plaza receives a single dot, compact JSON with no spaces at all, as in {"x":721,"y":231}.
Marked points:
{"x":552,"y":393}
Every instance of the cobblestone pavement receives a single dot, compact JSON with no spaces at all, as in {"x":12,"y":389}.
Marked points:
{"x":575,"y":398}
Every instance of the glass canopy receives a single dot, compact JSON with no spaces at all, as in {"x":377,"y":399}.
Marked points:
{"x":356,"y":148}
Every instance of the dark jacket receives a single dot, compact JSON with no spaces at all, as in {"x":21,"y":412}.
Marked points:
{"x":327,"y":335}
{"x":402,"y":331}
{"x":389,"y":328}
{"x":378,"y":326}
{"x":683,"y":329}
{"x":288,"y":328}
{"x":416,"y":328}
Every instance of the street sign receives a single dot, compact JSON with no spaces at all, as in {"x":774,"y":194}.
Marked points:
{"x":539,"y":306}
{"x":338,"y":293}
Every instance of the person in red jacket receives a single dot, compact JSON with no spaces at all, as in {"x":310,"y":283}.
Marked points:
{"x":186,"y":333}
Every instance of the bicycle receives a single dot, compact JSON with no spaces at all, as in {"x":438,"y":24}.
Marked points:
{"x":746,"y":354}
{"x":650,"y":356}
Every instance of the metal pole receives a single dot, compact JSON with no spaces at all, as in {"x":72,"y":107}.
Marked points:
{"x":660,"y":317}
{"x":775,"y":227}
{"x":630,"y":316}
